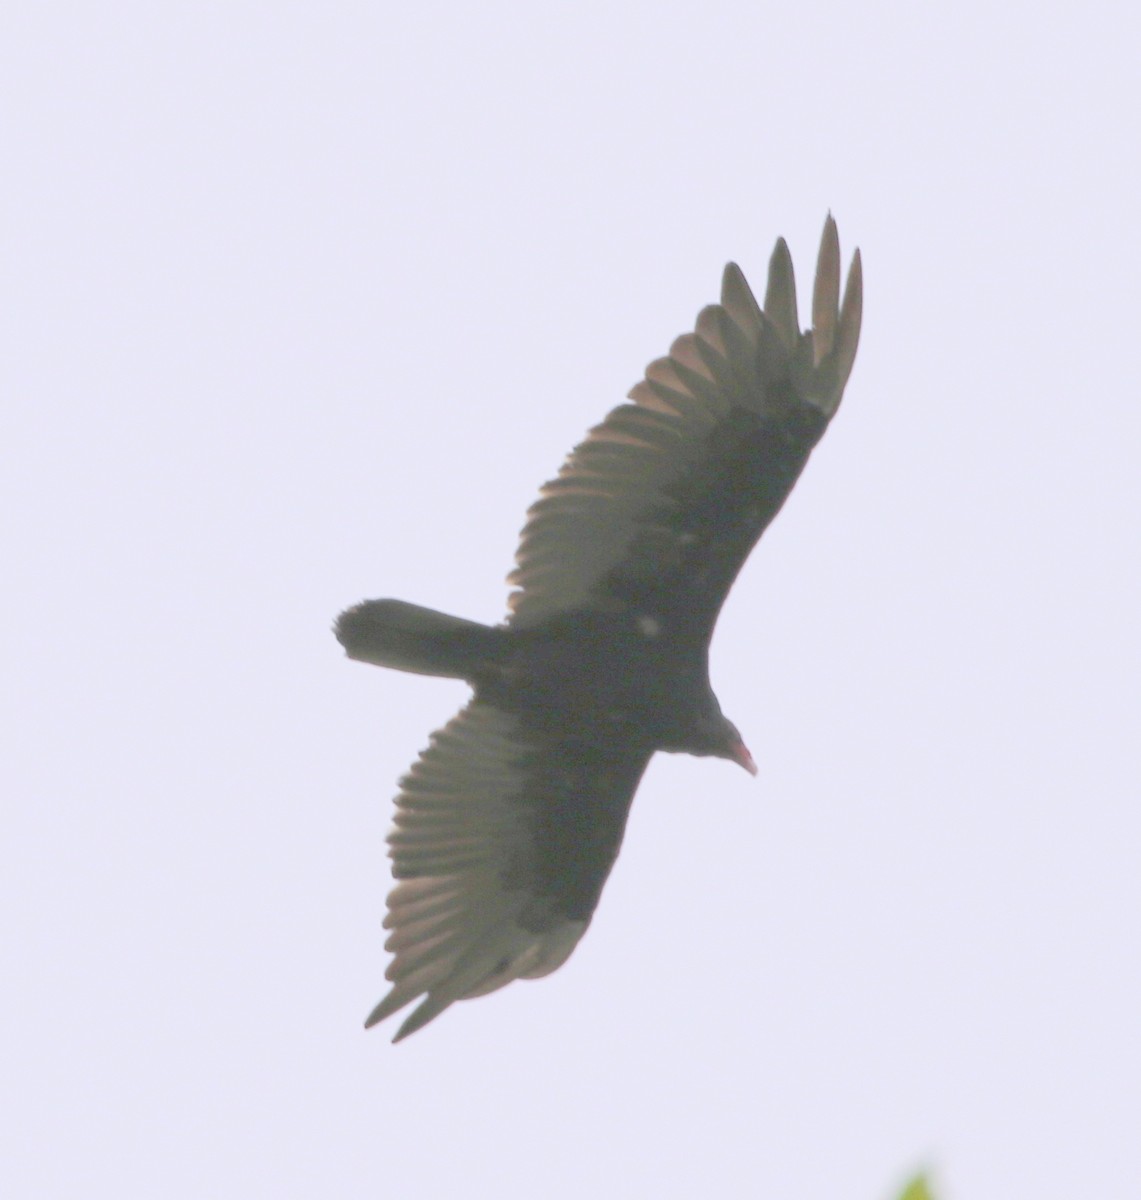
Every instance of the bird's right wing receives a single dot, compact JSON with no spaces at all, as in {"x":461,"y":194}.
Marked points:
{"x":658,"y":508}
{"x":504,"y":836}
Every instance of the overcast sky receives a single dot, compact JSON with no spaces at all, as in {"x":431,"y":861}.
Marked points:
{"x":301,"y":303}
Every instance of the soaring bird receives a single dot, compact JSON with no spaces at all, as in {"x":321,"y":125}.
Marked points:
{"x":509,"y":823}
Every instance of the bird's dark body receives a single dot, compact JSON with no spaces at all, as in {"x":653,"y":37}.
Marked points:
{"x":591,"y":675}
{"x":508,"y":826}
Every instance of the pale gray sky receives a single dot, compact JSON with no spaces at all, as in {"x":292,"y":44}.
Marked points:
{"x":301,"y":304}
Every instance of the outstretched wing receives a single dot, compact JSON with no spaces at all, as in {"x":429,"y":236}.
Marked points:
{"x":658,"y":508}
{"x":504,"y":837}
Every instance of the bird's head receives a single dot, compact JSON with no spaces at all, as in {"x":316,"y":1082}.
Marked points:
{"x":714,"y":734}
{"x":733,"y":747}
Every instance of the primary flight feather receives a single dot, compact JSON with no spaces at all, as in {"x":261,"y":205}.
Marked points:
{"x":508,"y":825}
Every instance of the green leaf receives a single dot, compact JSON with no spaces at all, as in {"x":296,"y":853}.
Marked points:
{"x":917,"y":1189}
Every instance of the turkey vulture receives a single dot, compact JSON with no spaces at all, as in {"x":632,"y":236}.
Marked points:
{"x":508,"y":825}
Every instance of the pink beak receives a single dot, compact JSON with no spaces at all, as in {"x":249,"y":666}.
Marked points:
{"x":743,"y":758}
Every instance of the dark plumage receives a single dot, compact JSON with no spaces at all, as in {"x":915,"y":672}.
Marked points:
{"x":509,"y":823}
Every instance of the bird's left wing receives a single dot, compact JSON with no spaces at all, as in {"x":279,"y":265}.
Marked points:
{"x":663,"y":501}
{"x":504,"y":836}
